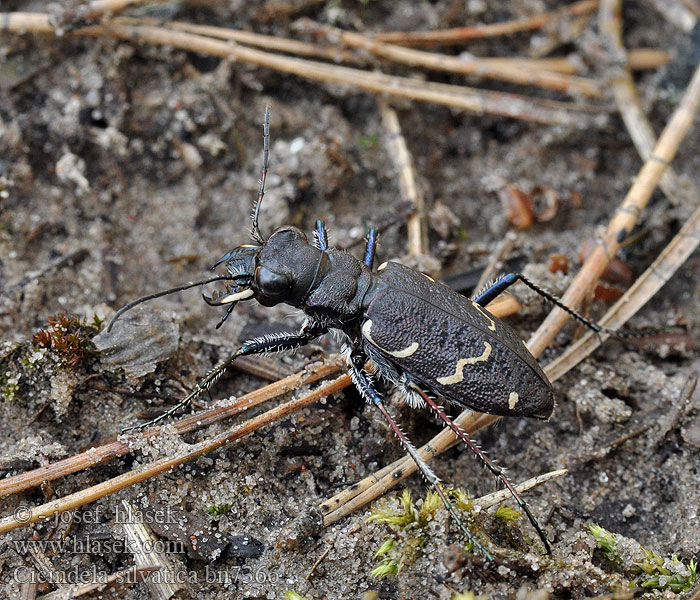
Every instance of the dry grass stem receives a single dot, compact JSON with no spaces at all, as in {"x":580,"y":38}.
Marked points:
{"x":168,"y":463}
{"x":627,"y":99}
{"x":114,"y":581}
{"x":269,"y":42}
{"x":640,"y":59}
{"x":147,"y":553}
{"x":461,"y":35}
{"x":470,"y":99}
{"x":501,"y":495}
{"x":651,"y":281}
{"x":408,"y":186}
{"x":676,"y":13}
{"x":496,"y":258}
{"x":627,"y":214}
{"x":463,"y":65}
{"x":120,"y":447}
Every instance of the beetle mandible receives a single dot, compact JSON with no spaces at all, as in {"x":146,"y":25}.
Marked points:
{"x":423,"y":337}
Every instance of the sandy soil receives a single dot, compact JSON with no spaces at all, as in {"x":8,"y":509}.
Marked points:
{"x":126,"y":169}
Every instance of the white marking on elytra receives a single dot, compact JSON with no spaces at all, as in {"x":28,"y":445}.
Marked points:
{"x":492,"y":327}
{"x":458,"y":375}
{"x":408,"y":351}
{"x":512,"y":400}
{"x":428,"y":277}
{"x":382,"y":266}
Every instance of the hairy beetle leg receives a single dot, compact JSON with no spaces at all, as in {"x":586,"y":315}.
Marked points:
{"x":365,"y":386}
{"x":278,"y":342}
{"x":488,"y":463}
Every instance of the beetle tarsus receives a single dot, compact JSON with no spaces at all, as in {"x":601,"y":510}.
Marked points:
{"x":487,"y":462}
{"x":366,"y":388}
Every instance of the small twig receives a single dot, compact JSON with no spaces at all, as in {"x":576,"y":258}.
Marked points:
{"x":651,"y":281}
{"x":70,"y":260}
{"x":627,"y":99}
{"x":318,"y":562}
{"x":639,"y":59}
{"x":92,"y":11}
{"x":269,"y":42}
{"x":501,"y":495}
{"x":676,"y":13}
{"x":30,"y":587}
{"x":45,"y":567}
{"x":460,"y":35}
{"x":463,"y":65}
{"x":626,"y":216}
{"x":114,"y":581}
{"x":142,"y":542}
{"x":480,"y":101}
{"x":409,"y":188}
{"x":398,"y":214}
{"x":110,"y":450}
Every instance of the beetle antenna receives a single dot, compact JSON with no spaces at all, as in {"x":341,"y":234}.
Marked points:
{"x":255,"y":231}
{"x":179,"y":288}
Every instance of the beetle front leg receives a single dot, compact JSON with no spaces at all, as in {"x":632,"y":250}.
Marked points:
{"x":488,"y":463}
{"x":278,"y":342}
{"x":364,"y":384}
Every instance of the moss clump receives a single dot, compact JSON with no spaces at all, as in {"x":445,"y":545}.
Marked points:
{"x":409,"y":524}
{"x":68,"y":337}
{"x":606,"y":541}
{"x":659,"y":573}
{"x":217,"y":510}
{"x":667,"y":574}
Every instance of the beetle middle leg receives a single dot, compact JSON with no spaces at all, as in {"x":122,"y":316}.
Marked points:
{"x":278,"y":342}
{"x":488,"y":463}
{"x":364,"y":384}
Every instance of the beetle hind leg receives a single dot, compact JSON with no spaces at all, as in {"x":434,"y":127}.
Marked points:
{"x":488,"y":463}
{"x":365,"y":386}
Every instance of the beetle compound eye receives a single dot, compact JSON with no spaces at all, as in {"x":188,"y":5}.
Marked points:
{"x":270,"y":282}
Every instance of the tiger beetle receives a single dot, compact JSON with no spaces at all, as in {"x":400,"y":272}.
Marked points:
{"x":421,"y":336}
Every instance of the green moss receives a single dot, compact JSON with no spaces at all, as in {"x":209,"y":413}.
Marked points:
{"x":368,"y":141}
{"x":659,"y":574}
{"x":606,"y":541}
{"x":507,"y":514}
{"x":678,"y":578}
{"x":218,"y":509}
{"x":409,"y":532}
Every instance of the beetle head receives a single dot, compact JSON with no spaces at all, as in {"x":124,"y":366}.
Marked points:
{"x":283,"y":269}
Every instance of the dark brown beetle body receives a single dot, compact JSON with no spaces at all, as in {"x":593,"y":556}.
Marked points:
{"x":421,"y":335}
{"x":452,"y":346}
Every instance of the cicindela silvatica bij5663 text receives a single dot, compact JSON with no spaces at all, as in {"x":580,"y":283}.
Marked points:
{"x":423,"y":337}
